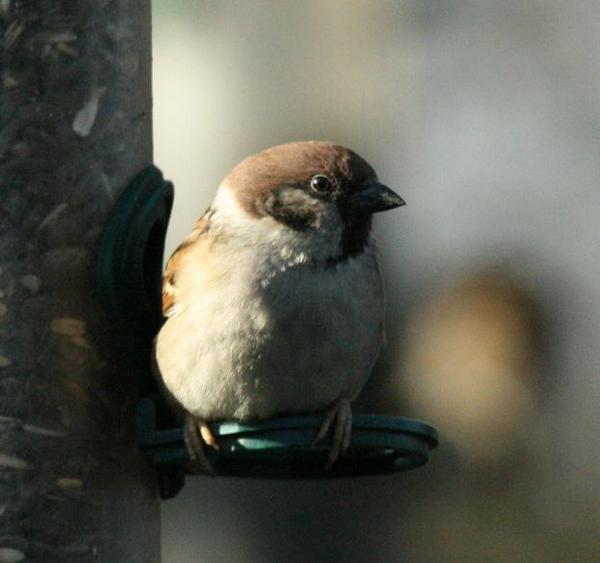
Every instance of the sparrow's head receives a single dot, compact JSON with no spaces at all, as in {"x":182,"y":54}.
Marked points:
{"x":312,"y":187}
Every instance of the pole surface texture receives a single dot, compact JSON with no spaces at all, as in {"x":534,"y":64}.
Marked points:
{"x":75,"y":128}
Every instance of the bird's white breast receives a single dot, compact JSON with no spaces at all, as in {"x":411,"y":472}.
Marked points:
{"x":270,"y":331}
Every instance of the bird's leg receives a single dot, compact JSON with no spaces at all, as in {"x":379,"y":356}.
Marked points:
{"x":341,"y":413}
{"x":196,"y":433}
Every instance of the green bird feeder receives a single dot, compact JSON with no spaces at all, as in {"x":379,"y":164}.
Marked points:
{"x":129,"y":275}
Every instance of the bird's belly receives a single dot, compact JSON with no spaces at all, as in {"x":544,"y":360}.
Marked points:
{"x":293,"y":347}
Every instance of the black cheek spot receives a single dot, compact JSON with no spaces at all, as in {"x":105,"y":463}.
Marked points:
{"x":294,"y":213}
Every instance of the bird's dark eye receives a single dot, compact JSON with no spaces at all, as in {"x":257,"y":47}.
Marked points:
{"x":320,"y":183}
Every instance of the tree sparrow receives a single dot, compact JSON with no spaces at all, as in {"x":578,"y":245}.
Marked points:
{"x":274,"y":301}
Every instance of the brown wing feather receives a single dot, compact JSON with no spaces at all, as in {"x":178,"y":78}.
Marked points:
{"x":169,"y":279}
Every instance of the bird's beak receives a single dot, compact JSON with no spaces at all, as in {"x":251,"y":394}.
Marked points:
{"x":374,"y":197}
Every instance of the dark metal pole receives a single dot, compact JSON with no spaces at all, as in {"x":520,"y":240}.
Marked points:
{"x":75,"y":127}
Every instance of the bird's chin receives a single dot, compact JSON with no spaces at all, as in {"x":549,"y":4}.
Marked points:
{"x":356,"y":235}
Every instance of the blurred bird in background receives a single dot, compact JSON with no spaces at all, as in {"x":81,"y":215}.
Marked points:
{"x":274,"y":302}
{"x":472,"y":365}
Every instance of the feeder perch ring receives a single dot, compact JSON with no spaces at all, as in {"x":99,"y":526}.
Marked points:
{"x":282,"y":447}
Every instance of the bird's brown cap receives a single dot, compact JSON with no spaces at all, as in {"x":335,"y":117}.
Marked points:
{"x":293,"y":165}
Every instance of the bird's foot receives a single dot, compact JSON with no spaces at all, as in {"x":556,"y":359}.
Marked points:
{"x":197,"y":433}
{"x":341,"y":413}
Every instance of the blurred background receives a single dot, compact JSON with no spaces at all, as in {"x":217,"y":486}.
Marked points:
{"x":485,"y":117}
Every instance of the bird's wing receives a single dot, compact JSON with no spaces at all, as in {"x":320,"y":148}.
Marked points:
{"x":176,"y":263}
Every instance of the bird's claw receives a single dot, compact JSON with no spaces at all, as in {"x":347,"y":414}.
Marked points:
{"x":196,"y":434}
{"x":341,"y":413}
